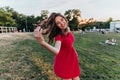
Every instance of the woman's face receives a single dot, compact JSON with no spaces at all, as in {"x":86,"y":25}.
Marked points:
{"x":61,"y":22}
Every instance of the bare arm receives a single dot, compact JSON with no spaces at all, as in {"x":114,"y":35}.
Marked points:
{"x":40,"y":39}
{"x":52,"y":49}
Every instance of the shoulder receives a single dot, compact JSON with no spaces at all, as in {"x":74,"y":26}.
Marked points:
{"x":58,"y":37}
{"x":71,"y":33}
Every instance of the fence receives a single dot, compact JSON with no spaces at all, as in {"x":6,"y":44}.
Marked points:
{"x":4,"y":29}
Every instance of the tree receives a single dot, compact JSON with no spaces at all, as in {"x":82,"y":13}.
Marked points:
{"x":107,"y":23}
{"x":44,"y":14}
{"x":30,"y":22}
{"x":71,"y":16}
{"x":103,"y":25}
{"x":6,"y":18}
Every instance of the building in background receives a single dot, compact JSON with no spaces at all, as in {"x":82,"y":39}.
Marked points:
{"x":115,"y":26}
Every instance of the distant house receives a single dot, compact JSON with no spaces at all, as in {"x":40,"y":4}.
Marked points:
{"x":115,"y":26}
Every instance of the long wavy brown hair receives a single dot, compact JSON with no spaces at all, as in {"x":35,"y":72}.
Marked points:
{"x":51,"y":28}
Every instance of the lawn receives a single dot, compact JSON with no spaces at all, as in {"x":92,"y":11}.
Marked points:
{"x":98,"y":62}
{"x":22,"y":58}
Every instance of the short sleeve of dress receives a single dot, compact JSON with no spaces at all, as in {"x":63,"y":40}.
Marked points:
{"x":58,"y":38}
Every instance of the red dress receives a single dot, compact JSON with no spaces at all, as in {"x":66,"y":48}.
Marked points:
{"x":66,"y":61}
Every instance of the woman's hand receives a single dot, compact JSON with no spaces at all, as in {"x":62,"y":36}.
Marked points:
{"x":38,"y":34}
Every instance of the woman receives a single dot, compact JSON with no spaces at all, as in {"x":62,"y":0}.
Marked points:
{"x":66,"y":64}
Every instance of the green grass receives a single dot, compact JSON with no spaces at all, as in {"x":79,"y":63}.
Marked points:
{"x":98,"y":62}
{"x":22,"y":58}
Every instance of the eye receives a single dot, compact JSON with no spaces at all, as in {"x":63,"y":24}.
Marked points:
{"x":57,"y":23}
{"x":62,"y":19}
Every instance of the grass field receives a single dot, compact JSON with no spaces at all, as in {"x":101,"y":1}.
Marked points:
{"x":22,"y":58}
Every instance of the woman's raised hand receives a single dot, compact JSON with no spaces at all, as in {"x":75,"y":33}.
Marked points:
{"x":38,"y":34}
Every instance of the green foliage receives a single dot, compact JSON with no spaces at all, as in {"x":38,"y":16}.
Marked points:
{"x":5,"y":18}
{"x":10,"y":17}
{"x":44,"y":14}
{"x":71,"y":16}
{"x":73,"y":24}
{"x":104,"y":25}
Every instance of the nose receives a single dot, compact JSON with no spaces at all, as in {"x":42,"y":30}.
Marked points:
{"x":62,"y":23}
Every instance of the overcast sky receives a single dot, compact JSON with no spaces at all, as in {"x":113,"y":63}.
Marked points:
{"x":98,"y":9}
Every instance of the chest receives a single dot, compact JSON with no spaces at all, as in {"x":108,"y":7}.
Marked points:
{"x":68,"y":41}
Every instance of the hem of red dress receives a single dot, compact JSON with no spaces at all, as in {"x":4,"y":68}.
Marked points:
{"x":63,"y":77}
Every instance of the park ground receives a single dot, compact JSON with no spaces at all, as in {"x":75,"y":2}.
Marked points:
{"x":22,"y":58}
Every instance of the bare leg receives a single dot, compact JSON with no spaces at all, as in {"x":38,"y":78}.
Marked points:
{"x":76,"y":78}
{"x":66,"y":79}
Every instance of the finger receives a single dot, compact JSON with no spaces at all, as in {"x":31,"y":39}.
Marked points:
{"x":37,"y":28}
{"x":38,"y":33}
